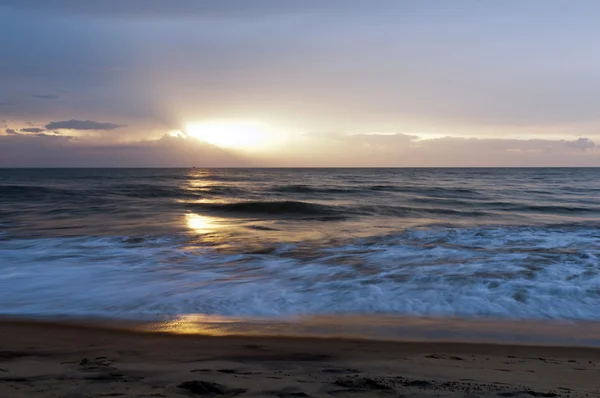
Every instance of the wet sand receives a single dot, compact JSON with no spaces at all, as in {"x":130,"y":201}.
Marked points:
{"x":61,"y":360}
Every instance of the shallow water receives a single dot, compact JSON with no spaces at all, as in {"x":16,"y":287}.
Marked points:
{"x":447,"y":243}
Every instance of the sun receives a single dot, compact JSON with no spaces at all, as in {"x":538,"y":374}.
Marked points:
{"x":231,"y":134}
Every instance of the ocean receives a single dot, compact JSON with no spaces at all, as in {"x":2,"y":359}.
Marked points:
{"x":507,"y":244}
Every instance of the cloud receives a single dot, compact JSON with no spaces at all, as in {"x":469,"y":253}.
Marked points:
{"x":422,"y":65}
{"x":49,"y":135}
{"x":33,"y":130}
{"x":37,"y":147}
{"x":30,"y":132}
{"x":510,"y":145}
{"x":403,"y":150}
{"x":582,"y":144}
{"x":45,"y":96}
{"x":44,"y":150}
{"x":81,"y":125}
{"x":394,"y":142}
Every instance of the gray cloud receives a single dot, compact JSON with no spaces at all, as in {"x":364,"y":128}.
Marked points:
{"x":46,"y":96}
{"x":332,"y":150}
{"x":398,"y":141}
{"x":33,"y":130}
{"x":402,"y":150}
{"x":44,"y":150}
{"x":582,"y":144}
{"x":48,"y":135}
{"x":5,"y":103}
{"x":510,"y":145}
{"x":81,"y":125}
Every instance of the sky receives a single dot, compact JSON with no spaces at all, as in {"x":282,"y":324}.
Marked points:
{"x":299,"y":83}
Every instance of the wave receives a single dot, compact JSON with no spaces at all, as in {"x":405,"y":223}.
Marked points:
{"x":467,"y":206}
{"x":548,"y":272}
{"x":284,"y":207}
{"x":554,"y":209}
{"x":238,"y":177}
{"x":306,"y":209}
{"x":149,"y":191}
{"x":140,"y":191}
{"x":516,"y":207}
{"x":413,"y":211}
{"x":219,"y":190}
{"x":311,"y":189}
{"x":428,"y":191}
{"x":32,"y":192}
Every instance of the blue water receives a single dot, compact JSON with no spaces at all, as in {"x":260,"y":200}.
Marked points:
{"x":135,"y":243}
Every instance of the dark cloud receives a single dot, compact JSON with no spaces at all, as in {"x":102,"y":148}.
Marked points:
{"x":582,"y":144}
{"x":45,"y":134}
{"x":374,"y":150}
{"x":43,"y":150}
{"x":402,"y":150}
{"x":510,"y":145}
{"x":81,"y":125}
{"x":46,"y":96}
{"x":5,"y":103}
{"x":32,"y":130}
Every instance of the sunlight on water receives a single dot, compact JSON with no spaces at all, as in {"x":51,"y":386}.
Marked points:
{"x":136,"y":243}
{"x":200,"y":223}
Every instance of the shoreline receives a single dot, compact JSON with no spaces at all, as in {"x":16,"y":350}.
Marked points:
{"x":61,"y":359}
{"x":545,"y":333}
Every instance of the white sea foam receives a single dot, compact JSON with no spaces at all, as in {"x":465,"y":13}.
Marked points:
{"x":507,"y":272}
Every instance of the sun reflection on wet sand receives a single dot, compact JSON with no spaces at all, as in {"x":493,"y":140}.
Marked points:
{"x":387,"y":328}
{"x":219,"y":326}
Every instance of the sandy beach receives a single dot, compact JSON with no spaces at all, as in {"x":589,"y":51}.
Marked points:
{"x":61,"y":360}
